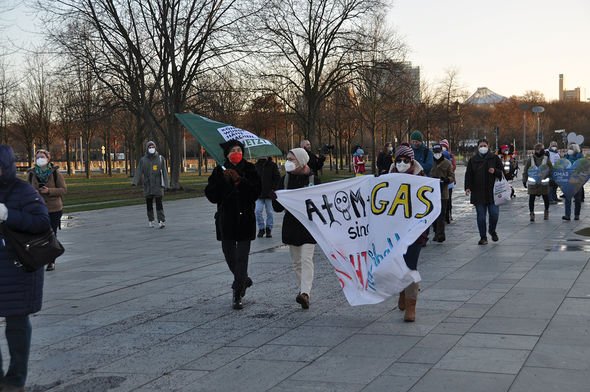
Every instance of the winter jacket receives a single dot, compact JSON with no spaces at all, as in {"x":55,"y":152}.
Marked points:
{"x":575,"y":157}
{"x":315,"y":163}
{"x":294,"y":233}
{"x":53,"y":199}
{"x":541,"y":188}
{"x":384,"y":160}
{"x":235,"y":219}
{"x":443,"y":170}
{"x":21,"y":292}
{"x":152,"y":173}
{"x":268,"y":171}
{"x":424,"y":156}
{"x":479,"y":181}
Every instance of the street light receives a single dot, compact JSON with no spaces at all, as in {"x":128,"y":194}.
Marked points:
{"x":538,"y":110}
{"x":524,"y":107}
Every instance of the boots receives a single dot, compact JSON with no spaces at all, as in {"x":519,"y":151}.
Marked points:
{"x":532,"y":216}
{"x":411,"y":294}
{"x":401,"y":302}
{"x":546,"y":215}
{"x":260,"y":233}
{"x":237,"y":304}
{"x":268,"y":235}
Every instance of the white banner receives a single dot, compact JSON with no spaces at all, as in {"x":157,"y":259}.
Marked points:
{"x":246,"y":137}
{"x":364,"y":225}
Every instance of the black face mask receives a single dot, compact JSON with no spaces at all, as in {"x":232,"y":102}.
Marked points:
{"x":540,"y":153}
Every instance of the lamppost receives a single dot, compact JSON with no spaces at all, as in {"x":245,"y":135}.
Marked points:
{"x":538,"y":110}
{"x":524,"y":107}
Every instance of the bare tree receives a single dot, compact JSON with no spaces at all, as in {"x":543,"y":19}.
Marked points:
{"x":451,"y":94}
{"x":8,"y":86}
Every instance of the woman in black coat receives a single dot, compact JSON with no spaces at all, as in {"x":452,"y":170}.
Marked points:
{"x":234,"y":187}
{"x":21,"y":292}
{"x":483,"y":169}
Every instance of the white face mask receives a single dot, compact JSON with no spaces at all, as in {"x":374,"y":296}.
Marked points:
{"x":41,"y":162}
{"x":390,"y":149}
{"x":290,"y":166}
{"x":483,"y":150}
{"x":152,"y":150}
{"x":570,"y":152}
{"x":402,"y":167}
{"x":437,"y":155}
{"x":553,"y":149}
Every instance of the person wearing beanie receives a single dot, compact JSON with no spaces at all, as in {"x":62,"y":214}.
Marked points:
{"x":301,"y":243}
{"x":537,"y":187}
{"x":572,"y":155}
{"x":483,"y":169}
{"x":446,"y":151}
{"x":358,"y":161}
{"x":234,"y":186}
{"x":21,"y":291}
{"x":443,"y":170}
{"x":421,"y":152}
{"x":51,"y":185}
{"x":405,"y":163}
{"x":152,"y":173}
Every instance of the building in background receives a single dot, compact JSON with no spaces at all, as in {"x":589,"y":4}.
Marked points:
{"x":575,"y":95}
{"x":484,"y":97}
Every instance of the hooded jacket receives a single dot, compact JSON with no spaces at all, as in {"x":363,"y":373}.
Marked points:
{"x":21,"y":292}
{"x":152,"y":173}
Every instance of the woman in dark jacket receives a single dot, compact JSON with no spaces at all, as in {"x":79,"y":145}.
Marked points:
{"x":540,"y":186}
{"x":234,"y":187}
{"x":301,"y":243}
{"x":21,"y":292}
{"x":483,"y":169}
{"x":385,"y":158}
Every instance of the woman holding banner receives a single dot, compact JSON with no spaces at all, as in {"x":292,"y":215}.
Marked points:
{"x":573,"y":154}
{"x":405,"y":163}
{"x":301,"y":243}
{"x":234,"y":187}
{"x":538,"y":185}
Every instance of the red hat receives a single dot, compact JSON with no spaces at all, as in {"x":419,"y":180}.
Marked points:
{"x":445,"y":143}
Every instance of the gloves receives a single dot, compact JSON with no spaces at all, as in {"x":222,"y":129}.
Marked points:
{"x":232,"y":176}
{"x":3,"y":212}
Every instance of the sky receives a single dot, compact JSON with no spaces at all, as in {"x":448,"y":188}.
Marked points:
{"x":509,"y":46}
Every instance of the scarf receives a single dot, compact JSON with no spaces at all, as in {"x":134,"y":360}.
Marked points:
{"x":43,"y":174}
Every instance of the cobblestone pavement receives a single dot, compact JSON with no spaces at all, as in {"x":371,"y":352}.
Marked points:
{"x":131,"y":308}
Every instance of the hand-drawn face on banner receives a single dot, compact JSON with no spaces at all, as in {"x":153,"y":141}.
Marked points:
{"x":364,"y":226}
{"x":571,"y":177}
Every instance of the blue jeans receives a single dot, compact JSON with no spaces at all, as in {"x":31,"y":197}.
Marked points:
{"x":494,"y":213}
{"x":262,"y":204}
{"x":577,"y":204}
{"x":18,"y":337}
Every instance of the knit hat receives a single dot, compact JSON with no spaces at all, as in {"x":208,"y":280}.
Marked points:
{"x":445,"y":143}
{"x":150,"y":143}
{"x":44,"y":152}
{"x":227,"y":146}
{"x":417,"y":135}
{"x":404,"y":150}
{"x":301,"y":155}
{"x":359,"y":152}
{"x":436,"y":148}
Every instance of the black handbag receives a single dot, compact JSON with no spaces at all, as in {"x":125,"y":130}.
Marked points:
{"x":33,"y":251}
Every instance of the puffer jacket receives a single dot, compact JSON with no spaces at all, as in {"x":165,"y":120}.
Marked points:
{"x":21,"y":292}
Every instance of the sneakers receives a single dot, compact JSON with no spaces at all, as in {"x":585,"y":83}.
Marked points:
{"x":268,"y":235}
{"x":50,"y":267}
{"x":162,"y":225}
{"x":483,"y":241}
{"x":303,"y":300}
{"x":152,"y":224}
{"x":494,"y":236}
{"x":567,"y":218}
{"x":260,"y":233}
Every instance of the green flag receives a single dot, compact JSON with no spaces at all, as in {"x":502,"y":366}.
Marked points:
{"x":211,"y":133}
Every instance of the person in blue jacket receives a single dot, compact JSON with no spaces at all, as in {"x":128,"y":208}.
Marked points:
{"x":572,"y":155}
{"x":21,"y":292}
{"x":421,"y":152}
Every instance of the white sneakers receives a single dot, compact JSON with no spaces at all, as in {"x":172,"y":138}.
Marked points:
{"x":152,"y":224}
{"x":162,"y":225}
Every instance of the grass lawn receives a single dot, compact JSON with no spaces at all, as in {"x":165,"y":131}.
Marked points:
{"x":102,"y":191}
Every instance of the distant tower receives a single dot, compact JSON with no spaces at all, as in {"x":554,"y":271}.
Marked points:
{"x":561,"y":87}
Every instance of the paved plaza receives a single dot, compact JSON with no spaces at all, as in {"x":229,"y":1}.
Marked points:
{"x":131,"y":308}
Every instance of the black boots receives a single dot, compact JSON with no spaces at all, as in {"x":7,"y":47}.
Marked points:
{"x":260,"y":233}
{"x":268,"y":235}
{"x":237,"y":304}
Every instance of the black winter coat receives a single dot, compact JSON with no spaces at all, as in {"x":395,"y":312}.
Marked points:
{"x":294,"y":233}
{"x":479,"y":180}
{"x":316,"y":163}
{"x":235,"y":218}
{"x":268,"y":171}
{"x":21,"y":292}
{"x":384,"y":161}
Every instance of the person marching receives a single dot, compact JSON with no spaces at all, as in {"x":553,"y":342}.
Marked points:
{"x":385,"y":159}
{"x":301,"y":243}
{"x":554,"y":156}
{"x":405,"y":163}
{"x":268,"y":171}
{"x":443,"y":170}
{"x":234,"y":187}
{"x":449,"y":155}
{"x":152,"y":173}
{"x":573,"y":154}
{"x":538,"y":187}
{"x":51,"y":185}
{"x":422,"y":153}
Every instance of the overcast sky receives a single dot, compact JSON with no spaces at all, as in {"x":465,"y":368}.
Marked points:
{"x":509,"y":46}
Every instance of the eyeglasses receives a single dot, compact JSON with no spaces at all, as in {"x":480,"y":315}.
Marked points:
{"x":404,"y":160}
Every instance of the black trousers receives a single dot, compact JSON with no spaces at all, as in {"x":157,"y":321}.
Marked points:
{"x":55,"y":220}
{"x":439,"y":223}
{"x":411,"y":256}
{"x":532,"y":202}
{"x":149,"y":201}
{"x":236,"y":256}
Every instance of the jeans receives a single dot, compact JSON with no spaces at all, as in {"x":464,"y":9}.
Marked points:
{"x":577,"y":204}
{"x":18,"y":337}
{"x":149,"y":201}
{"x":55,"y":219}
{"x":262,"y":204}
{"x":302,"y":257}
{"x":532,"y":202}
{"x":494,"y":213}
{"x":236,"y":256}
